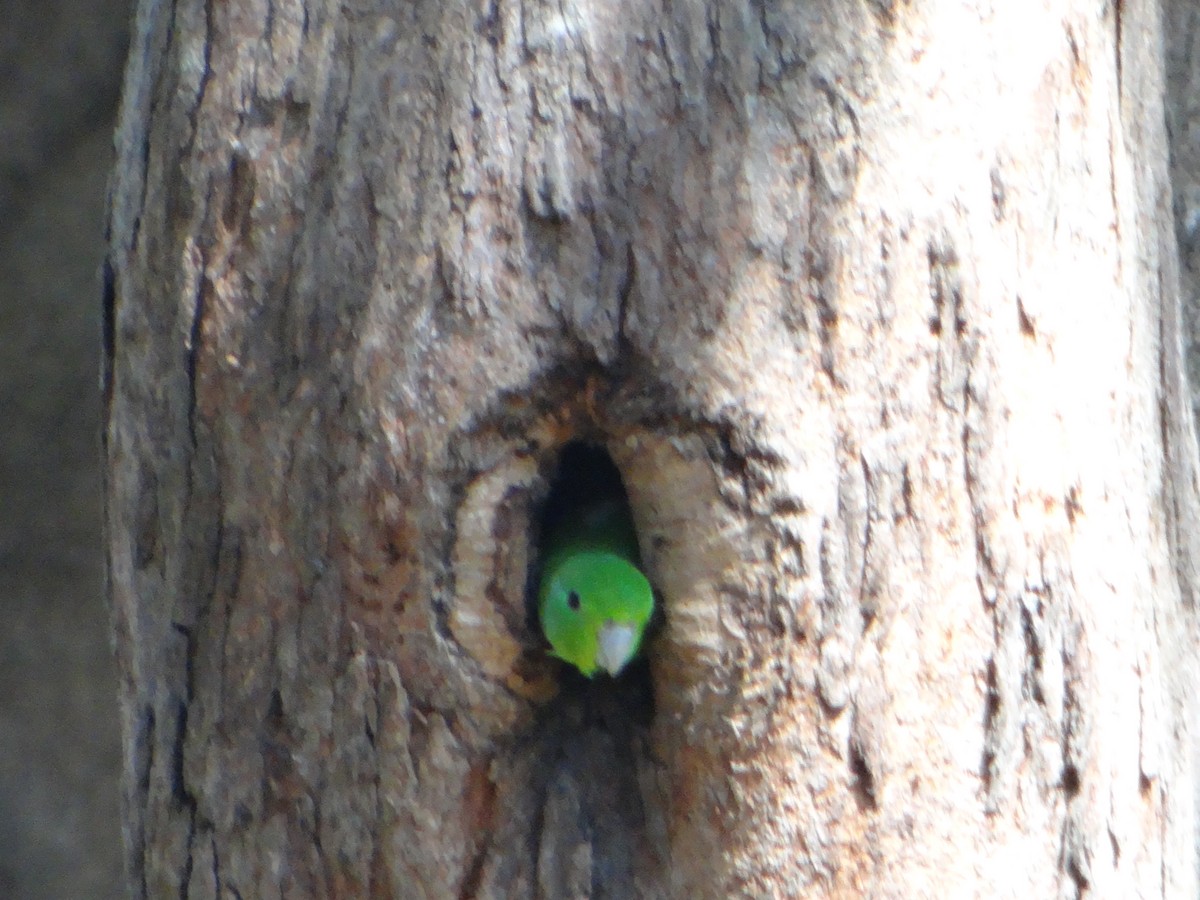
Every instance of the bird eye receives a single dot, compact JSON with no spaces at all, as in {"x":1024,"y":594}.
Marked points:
{"x":573,"y":600}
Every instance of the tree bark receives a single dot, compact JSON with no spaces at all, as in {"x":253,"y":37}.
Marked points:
{"x":875,"y":306}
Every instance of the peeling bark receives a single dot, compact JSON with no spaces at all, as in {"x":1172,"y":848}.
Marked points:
{"x":875,"y":308}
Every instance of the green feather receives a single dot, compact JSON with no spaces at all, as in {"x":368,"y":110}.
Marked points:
{"x":593,"y":600}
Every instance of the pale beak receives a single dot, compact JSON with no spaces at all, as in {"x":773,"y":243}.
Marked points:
{"x":617,"y":642}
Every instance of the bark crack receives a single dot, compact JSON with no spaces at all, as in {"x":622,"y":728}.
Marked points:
{"x":191,"y":363}
{"x":867,"y":538}
{"x":108,"y":331}
{"x":183,"y":796}
{"x":625,"y":286}
{"x":146,"y":745}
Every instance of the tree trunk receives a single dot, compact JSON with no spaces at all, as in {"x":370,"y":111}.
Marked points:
{"x":874,"y":305}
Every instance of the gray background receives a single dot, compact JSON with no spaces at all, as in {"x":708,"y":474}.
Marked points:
{"x":60,"y":70}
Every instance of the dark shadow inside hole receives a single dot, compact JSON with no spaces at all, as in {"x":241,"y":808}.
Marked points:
{"x":585,"y":476}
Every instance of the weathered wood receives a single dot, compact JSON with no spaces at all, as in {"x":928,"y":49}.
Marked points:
{"x":874,"y":305}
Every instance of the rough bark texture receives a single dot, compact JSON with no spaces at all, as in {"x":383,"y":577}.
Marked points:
{"x":1182,"y":24}
{"x":875,"y":305}
{"x":1183,"y":120}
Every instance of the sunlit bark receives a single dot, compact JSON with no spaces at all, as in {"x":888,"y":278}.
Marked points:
{"x":875,"y":307}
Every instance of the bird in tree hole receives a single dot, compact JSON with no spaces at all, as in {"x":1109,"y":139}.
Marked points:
{"x":593,"y":601}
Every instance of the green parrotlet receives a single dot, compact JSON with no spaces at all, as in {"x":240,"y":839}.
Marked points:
{"x":593,"y":600}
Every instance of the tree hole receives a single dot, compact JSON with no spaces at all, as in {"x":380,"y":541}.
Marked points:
{"x":585,"y":479}
{"x":585,"y":475}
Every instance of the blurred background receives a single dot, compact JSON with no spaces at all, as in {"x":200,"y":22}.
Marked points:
{"x":61,"y":64}
{"x":60,"y":71}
